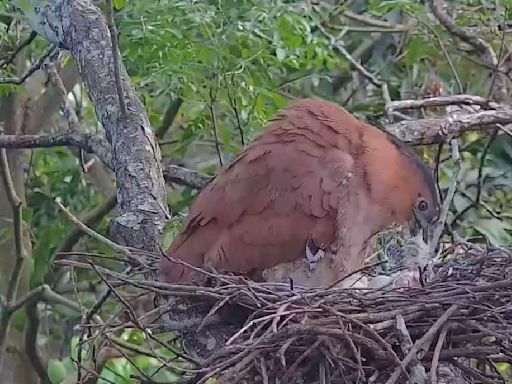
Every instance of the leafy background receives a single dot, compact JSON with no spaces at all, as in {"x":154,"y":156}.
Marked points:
{"x":233,"y":64}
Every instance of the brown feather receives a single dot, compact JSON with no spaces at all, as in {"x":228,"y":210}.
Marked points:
{"x":316,"y":173}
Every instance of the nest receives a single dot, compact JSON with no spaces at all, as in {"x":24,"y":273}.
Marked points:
{"x":457,"y":328}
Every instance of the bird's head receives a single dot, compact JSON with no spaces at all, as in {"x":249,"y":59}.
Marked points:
{"x":406,"y":187}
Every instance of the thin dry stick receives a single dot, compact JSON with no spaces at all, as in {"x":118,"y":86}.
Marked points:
{"x":426,"y":339}
{"x":95,"y":235}
{"x":438,"y":230}
{"x":437,"y":352}
{"x":418,"y":372}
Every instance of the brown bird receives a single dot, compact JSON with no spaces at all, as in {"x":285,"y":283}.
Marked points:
{"x":302,"y":201}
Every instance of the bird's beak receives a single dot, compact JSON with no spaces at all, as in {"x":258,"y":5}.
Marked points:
{"x":420,"y":227}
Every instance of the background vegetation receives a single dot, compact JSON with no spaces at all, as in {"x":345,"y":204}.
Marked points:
{"x":210,"y":73}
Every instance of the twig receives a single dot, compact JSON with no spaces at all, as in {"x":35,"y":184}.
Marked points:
{"x":184,"y":176}
{"x":19,"y":48}
{"x":338,"y":46}
{"x":478,"y":44}
{"x":445,"y":52}
{"x":90,"y":220}
{"x":376,"y":22}
{"x":69,"y":112}
{"x":480,"y":180}
{"x":169,"y":117}
{"x":426,"y":339}
{"x":234,"y":107}
{"x":437,"y":351}
{"x":214,"y":128}
{"x":418,"y":373}
{"x":115,"y":54}
{"x":445,"y":209}
{"x":95,"y":235}
{"x":31,"y":70}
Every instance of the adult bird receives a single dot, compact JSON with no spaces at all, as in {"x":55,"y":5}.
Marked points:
{"x":302,"y":201}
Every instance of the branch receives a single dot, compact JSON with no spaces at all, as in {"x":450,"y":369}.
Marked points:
{"x":337,"y":45}
{"x":431,"y":131}
{"x":95,"y":235}
{"x":442,"y":101}
{"x":86,"y":142}
{"x":81,"y":28}
{"x":420,"y":344}
{"x":14,"y":278}
{"x":169,"y":116}
{"x":19,"y":48}
{"x":482,"y":47}
{"x":185,"y":177}
{"x":438,"y":229}
{"x":91,"y":220}
{"x":36,"y":66}
{"x":43,"y":109}
{"x":32,"y":329}
{"x":94,"y":144}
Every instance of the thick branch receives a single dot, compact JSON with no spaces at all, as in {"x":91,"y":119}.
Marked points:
{"x":441,"y":101}
{"x":80,"y":27}
{"x":93,"y":144}
{"x":431,"y":131}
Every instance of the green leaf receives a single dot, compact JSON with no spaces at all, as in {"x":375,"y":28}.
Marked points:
{"x":119,"y":4}
{"x":497,"y":231}
{"x":56,"y":371}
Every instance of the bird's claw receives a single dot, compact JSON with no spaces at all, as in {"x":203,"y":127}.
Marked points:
{"x":314,"y":258}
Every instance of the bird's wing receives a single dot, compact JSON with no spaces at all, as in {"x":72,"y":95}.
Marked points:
{"x":262,"y":209}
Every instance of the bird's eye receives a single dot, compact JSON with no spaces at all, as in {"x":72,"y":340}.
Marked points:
{"x":422,"y":205}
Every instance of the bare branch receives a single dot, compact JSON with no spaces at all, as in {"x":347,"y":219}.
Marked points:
{"x":95,"y":235}
{"x":169,"y":117}
{"x":185,"y":177}
{"x":10,"y":59}
{"x":419,"y":344}
{"x":69,"y":112}
{"x":93,"y":144}
{"x":337,"y":45}
{"x":438,"y":230}
{"x":15,"y":275}
{"x":431,"y":131}
{"x":31,"y":348}
{"x":91,"y":220}
{"x":488,"y":56}
{"x":442,"y":101}
{"x":36,"y":66}
{"x":88,"y":143}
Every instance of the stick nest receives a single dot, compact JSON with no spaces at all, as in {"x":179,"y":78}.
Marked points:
{"x":455,"y":329}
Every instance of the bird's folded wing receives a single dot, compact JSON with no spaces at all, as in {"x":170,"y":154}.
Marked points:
{"x":261,"y":210}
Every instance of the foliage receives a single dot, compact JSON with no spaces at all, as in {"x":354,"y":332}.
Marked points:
{"x":235,"y":63}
